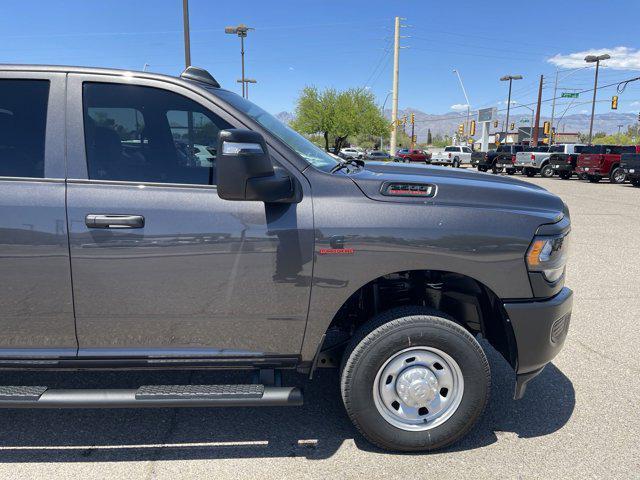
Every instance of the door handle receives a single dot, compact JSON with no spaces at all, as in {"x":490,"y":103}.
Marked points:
{"x":114,"y":221}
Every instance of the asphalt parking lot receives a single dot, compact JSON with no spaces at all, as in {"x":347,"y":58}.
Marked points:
{"x":580,"y":418}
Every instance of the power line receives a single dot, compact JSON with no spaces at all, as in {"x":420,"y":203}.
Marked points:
{"x":452,"y":117}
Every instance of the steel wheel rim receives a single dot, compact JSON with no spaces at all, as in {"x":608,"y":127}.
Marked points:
{"x":618,"y":176}
{"x":418,"y":388}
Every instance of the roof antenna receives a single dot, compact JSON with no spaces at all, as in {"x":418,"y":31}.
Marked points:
{"x":198,"y":74}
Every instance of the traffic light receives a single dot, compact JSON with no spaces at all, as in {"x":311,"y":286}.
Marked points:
{"x":472,"y":128}
{"x":512,"y":125}
{"x":461,"y":129}
{"x":547,"y":128}
{"x":413,"y":119}
{"x":495,"y":123}
{"x":404,"y":120}
{"x":414,"y":139}
{"x":614,"y":102}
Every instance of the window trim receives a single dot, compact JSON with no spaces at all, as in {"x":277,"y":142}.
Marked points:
{"x":77,"y":164}
{"x":54,"y":142}
{"x":77,"y":172}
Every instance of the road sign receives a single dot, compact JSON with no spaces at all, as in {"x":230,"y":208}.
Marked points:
{"x":570,"y":95}
{"x":486,"y":114}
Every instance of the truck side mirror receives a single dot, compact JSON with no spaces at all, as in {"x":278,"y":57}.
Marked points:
{"x":245,"y":171}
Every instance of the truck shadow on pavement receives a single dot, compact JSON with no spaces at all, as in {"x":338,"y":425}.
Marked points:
{"x":315,"y":431}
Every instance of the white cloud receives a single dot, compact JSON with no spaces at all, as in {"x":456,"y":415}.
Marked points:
{"x":459,"y":107}
{"x":635,"y":104}
{"x":622,"y":58}
{"x":504,"y":102}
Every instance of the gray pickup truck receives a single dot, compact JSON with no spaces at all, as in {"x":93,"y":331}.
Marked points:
{"x":121,"y":249}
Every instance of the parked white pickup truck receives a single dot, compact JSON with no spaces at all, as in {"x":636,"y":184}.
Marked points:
{"x":534,"y":159}
{"x":537,"y":159}
{"x":452,"y":155}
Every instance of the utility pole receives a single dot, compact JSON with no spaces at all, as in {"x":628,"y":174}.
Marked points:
{"x":394,"y":104}
{"x":536,"y":127}
{"x":596,"y":59}
{"x":553,"y":108}
{"x":187,"y":42}
{"x":413,"y":122}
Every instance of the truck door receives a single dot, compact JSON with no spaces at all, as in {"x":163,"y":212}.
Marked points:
{"x":161,"y":265}
{"x":36,"y":318}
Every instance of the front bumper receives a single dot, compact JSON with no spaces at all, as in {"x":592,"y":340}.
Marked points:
{"x":540,"y":329}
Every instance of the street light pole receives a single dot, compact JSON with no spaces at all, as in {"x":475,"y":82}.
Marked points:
{"x":185,"y":26}
{"x":596,"y":59}
{"x":510,"y":79}
{"x":467,"y":128}
{"x":241,"y":31}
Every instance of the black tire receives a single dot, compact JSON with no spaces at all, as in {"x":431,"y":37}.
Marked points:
{"x":386,"y":335}
{"x":482,"y":169}
{"x":456,"y":163}
{"x":564,"y":175}
{"x":511,"y":171}
{"x":529,"y":172}
{"x":593,"y":178}
{"x":582,"y":176}
{"x":546,"y":171}
{"x":635,"y":181}
{"x":617,"y":176}
{"x":495,"y":170}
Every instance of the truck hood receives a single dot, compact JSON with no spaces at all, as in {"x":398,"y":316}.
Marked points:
{"x":460,"y":188}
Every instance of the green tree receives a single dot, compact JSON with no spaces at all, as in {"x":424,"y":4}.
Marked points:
{"x":338,"y":115}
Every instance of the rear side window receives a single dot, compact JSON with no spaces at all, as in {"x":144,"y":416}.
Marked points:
{"x":451,"y":149}
{"x":23,"y":119}
{"x":618,"y":150}
{"x":593,"y":149}
{"x":145,"y":134}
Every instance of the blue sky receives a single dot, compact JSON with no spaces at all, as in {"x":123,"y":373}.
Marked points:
{"x":342,"y":44}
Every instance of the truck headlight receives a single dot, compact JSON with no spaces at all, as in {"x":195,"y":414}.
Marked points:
{"x":548,"y":254}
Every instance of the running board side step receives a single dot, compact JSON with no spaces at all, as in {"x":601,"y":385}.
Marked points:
{"x":167,"y":396}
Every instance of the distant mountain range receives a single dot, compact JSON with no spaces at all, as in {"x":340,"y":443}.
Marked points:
{"x":447,"y":123}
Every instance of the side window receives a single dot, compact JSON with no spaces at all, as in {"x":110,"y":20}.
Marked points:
{"x":145,"y":134}
{"x":23,"y":120}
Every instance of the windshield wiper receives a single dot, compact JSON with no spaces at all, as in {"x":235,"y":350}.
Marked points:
{"x":346,"y":163}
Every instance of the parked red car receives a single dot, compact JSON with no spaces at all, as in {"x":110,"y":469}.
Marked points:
{"x":599,"y":161}
{"x":407,"y":155}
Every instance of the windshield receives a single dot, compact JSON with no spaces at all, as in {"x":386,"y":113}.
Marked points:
{"x":303,"y":147}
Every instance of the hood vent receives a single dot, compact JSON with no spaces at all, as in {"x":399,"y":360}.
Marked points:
{"x":397,"y":189}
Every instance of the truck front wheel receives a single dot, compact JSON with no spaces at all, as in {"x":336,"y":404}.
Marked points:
{"x":414,"y":380}
{"x":594,"y":178}
{"x":546,"y":171}
{"x":565,"y":175}
{"x":618,"y":175}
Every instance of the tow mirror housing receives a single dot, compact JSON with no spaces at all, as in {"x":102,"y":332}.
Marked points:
{"x":245,"y":171}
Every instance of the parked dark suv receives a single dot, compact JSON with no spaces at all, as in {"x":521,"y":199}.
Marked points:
{"x":120,"y":248}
